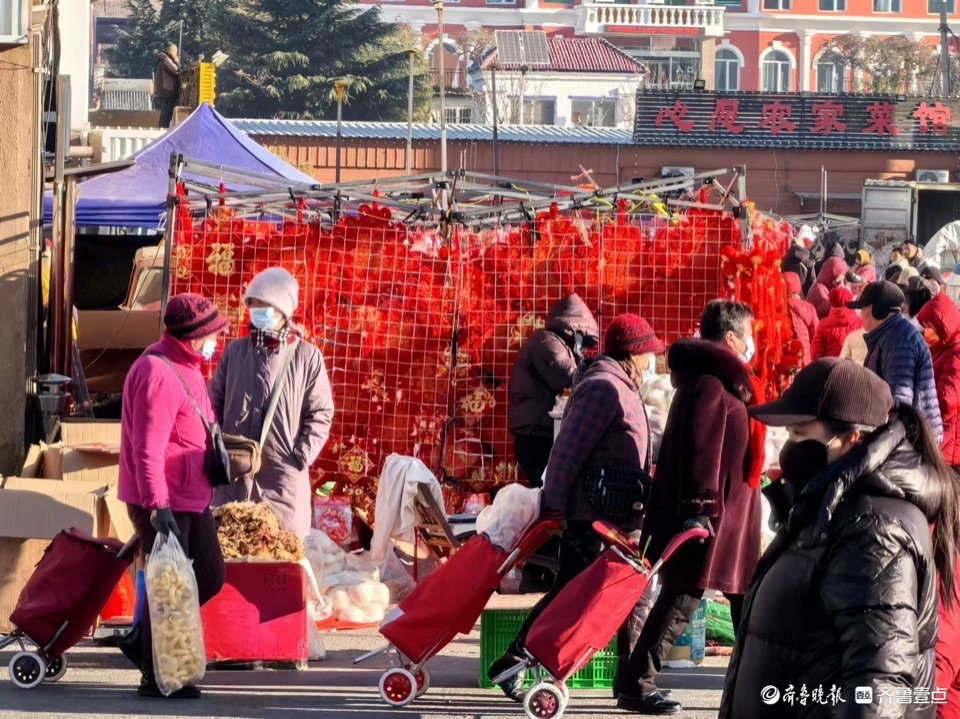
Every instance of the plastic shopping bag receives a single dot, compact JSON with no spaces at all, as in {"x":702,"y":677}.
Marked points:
{"x":179,"y":658}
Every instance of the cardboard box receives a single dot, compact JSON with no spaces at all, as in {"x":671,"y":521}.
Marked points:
{"x":259,"y":615}
{"x":117,"y":329}
{"x":18,"y":557}
{"x":89,"y":452}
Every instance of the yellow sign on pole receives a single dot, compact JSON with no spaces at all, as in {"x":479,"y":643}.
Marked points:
{"x":206,"y":83}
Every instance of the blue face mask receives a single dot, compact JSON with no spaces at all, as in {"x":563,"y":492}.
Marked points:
{"x":578,"y":342}
{"x":263,"y":318}
{"x":749,"y":351}
{"x":651,"y":369}
{"x":208,"y":348}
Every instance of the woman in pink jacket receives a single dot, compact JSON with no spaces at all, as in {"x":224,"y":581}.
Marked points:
{"x":162,"y":448}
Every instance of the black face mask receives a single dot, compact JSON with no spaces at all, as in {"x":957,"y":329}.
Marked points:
{"x":802,"y":461}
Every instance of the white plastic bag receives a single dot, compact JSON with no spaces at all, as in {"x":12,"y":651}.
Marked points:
{"x":179,"y":658}
{"x":394,"y":574}
{"x":515,"y":508}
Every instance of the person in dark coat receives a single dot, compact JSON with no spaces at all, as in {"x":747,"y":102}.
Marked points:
{"x":845,"y":597}
{"x":897,"y":352}
{"x":166,"y":83}
{"x":797,"y":260}
{"x":604,"y":426}
{"x":912,"y":253}
{"x":702,"y":479}
{"x":803,"y":315}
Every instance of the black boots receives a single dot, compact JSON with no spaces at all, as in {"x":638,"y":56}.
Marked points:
{"x":655,"y":704}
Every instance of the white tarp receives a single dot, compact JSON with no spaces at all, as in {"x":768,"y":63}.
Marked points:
{"x":395,"y":515}
{"x":943,"y":249}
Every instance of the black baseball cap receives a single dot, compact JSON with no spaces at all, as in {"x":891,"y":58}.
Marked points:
{"x":929,"y":272}
{"x":881,"y":294}
{"x":831,"y":389}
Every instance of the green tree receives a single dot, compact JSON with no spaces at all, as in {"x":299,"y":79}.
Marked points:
{"x":200,"y":37}
{"x":137,"y":47}
{"x":286,"y":55}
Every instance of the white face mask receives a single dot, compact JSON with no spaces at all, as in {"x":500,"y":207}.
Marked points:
{"x":207,"y":349}
{"x":749,"y":352}
{"x":651,"y":369}
{"x":263,"y":318}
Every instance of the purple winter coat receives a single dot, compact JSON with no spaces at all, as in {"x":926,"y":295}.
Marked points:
{"x":545,"y":367}
{"x":604,"y":425}
{"x":240,"y":392}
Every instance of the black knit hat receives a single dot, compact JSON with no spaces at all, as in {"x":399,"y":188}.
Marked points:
{"x":884,"y":297}
{"x":831,"y":389}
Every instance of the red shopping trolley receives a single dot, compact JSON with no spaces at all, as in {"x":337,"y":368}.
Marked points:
{"x":60,"y":603}
{"x":583,"y":618}
{"x":446,"y":603}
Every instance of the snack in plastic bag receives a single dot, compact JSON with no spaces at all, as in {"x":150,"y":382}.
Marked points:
{"x":179,"y":658}
{"x":513,"y":510}
{"x":334,"y":517}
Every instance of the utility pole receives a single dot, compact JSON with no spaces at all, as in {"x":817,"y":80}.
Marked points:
{"x":438,"y":4}
{"x":409,"y":152}
{"x":339,"y":86}
{"x":496,"y":121}
{"x":945,"y":88}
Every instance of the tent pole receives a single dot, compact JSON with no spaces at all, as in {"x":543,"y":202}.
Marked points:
{"x":176,"y":163}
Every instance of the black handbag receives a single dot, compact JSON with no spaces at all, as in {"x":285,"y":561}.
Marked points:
{"x":216,"y":460}
{"x":619,"y":492}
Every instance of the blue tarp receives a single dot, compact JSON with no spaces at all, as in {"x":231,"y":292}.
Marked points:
{"x":136,"y":196}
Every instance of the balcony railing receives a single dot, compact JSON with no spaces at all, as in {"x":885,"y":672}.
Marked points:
{"x":454,"y":81}
{"x":600,"y":18}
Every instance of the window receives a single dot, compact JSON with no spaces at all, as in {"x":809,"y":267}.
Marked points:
{"x":776,"y":72}
{"x":727,"y":70}
{"x":886,"y":5}
{"x":933,"y":7}
{"x":459,"y":115}
{"x":833,"y":5}
{"x":831,"y":74}
{"x":776,"y":4}
{"x":598,"y":112}
{"x":539,"y":111}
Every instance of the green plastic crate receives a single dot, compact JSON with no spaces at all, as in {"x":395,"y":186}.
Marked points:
{"x":498,"y":627}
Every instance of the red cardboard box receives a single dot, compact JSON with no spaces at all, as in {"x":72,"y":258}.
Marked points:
{"x":259,"y":615}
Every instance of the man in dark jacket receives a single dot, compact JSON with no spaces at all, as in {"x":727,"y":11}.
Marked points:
{"x":798,"y":260}
{"x":166,"y":83}
{"x":897,"y":351}
{"x":544,"y":369}
{"x":912,"y":253}
{"x":702,"y":479}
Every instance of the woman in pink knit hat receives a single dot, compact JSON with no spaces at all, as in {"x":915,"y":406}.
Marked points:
{"x":604,"y":430}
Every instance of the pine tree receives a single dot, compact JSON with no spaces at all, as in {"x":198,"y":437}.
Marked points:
{"x":200,"y":37}
{"x":136,"y":49}
{"x":286,"y":55}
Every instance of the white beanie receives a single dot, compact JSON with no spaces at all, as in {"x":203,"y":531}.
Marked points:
{"x":277,"y":288}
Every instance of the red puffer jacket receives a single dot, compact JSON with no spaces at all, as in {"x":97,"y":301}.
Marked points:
{"x":832,"y":332}
{"x":819,"y":295}
{"x":942,"y":316}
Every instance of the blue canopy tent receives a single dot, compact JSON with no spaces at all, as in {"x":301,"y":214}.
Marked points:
{"x":136,"y":196}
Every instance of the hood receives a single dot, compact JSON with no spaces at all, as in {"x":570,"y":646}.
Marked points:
{"x":885,"y":464}
{"x":800,"y":254}
{"x":832,"y":270}
{"x":942,"y":315}
{"x":571,"y":314}
{"x":688,"y":359}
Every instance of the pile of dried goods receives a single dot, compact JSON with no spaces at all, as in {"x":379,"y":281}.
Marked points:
{"x":246,"y":529}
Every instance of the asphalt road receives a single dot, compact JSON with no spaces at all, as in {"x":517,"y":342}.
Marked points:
{"x":100,"y":683}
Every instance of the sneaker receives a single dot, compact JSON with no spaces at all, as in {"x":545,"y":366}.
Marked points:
{"x":148,"y":688}
{"x":512,"y":687}
{"x":655,"y":704}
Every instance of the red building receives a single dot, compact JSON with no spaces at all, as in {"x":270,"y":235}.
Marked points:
{"x":768,"y":45}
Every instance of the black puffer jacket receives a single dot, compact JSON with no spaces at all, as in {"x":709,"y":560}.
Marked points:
{"x":846,"y":594}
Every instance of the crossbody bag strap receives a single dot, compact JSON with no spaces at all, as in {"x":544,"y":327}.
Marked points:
{"x":289,"y":351}
{"x":186,"y":389}
{"x":646,"y":418}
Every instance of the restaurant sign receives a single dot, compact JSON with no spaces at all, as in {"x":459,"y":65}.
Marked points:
{"x":800,"y":121}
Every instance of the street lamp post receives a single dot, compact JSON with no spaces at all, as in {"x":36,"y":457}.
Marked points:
{"x":945,"y":88}
{"x":438,"y":4}
{"x":407,"y":160}
{"x":339,"y":86}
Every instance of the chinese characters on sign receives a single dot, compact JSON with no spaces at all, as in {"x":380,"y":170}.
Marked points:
{"x":801,"y":696}
{"x":859,"y":122}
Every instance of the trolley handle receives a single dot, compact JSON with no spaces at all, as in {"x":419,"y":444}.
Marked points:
{"x":531,"y":541}
{"x":675,"y":544}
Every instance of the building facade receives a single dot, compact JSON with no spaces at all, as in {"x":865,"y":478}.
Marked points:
{"x":729,"y":45}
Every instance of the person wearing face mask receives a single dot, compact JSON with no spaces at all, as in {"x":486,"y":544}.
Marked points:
{"x":707,"y":475}
{"x":275,"y":357}
{"x":163,"y":445}
{"x":846,"y":594}
{"x":897,"y":353}
{"x":604,"y":429}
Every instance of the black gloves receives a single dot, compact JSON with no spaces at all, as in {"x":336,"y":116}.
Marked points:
{"x":701,"y":521}
{"x":163,"y":521}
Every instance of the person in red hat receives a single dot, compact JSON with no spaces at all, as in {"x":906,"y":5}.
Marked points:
{"x":803,"y":315}
{"x":836,"y":327}
{"x":845,"y":597}
{"x":604,"y":433}
{"x":163,"y":449}
{"x":703,"y":479}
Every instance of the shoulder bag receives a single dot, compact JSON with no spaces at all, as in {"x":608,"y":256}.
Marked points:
{"x":216,"y":462}
{"x":244,"y":453}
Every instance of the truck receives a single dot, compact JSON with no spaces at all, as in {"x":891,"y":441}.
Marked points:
{"x":893,"y":211}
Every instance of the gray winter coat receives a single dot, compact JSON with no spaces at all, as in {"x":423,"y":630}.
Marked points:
{"x":240,"y":392}
{"x":545,"y":367}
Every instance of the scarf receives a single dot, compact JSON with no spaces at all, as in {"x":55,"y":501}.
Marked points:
{"x":273,"y":340}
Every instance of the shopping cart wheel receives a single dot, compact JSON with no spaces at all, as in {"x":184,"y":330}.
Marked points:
{"x":398,"y":687}
{"x":27,"y":670}
{"x":544,"y":701}
{"x":565,"y":690}
{"x":56,"y":669}
{"x":423,"y":682}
